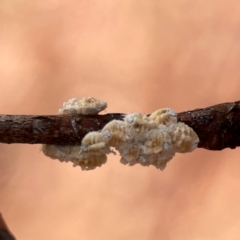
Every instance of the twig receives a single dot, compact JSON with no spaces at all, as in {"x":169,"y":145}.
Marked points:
{"x":218,"y":126}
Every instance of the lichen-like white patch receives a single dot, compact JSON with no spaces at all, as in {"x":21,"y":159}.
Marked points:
{"x":152,"y":140}
{"x":146,"y":143}
{"x":85,"y":106}
{"x":140,"y":139}
{"x":92,"y":152}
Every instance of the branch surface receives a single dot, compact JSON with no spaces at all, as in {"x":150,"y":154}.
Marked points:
{"x":217,"y":127}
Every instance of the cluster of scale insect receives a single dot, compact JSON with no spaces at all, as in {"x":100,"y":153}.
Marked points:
{"x":140,"y":139}
{"x":85,"y":106}
{"x":142,"y":142}
{"x":92,"y":152}
{"x":152,"y":140}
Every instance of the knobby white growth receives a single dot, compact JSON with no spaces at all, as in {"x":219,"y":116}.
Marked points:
{"x":147,"y":140}
{"x":85,"y":106}
{"x":92,"y":152}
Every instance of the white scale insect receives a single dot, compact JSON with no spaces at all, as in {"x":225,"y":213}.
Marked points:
{"x":152,"y":140}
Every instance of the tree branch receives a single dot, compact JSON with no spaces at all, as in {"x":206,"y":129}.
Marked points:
{"x":217,"y":127}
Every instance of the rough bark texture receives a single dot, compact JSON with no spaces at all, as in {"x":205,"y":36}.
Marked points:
{"x":218,"y":127}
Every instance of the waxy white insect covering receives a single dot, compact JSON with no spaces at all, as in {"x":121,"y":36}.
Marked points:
{"x":146,"y":140}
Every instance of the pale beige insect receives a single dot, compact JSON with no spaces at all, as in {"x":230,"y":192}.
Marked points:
{"x":154,"y":141}
{"x":138,"y":124}
{"x":165,"y":116}
{"x":184,"y":138}
{"x":130,"y":153}
{"x":90,"y":162}
{"x":115,"y":132}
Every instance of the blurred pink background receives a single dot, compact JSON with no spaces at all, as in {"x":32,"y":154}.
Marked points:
{"x":138,"y":56}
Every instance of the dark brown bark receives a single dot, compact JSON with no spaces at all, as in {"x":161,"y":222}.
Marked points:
{"x":218,"y":127}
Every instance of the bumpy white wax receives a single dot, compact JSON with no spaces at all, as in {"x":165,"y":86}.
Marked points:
{"x":92,"y":152}
{"x":140,"y":139}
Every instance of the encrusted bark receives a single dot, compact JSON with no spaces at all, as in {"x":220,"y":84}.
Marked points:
{"x":218,"y":126}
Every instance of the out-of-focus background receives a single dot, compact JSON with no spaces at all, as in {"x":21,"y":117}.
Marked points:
{"x":138,"y":56}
